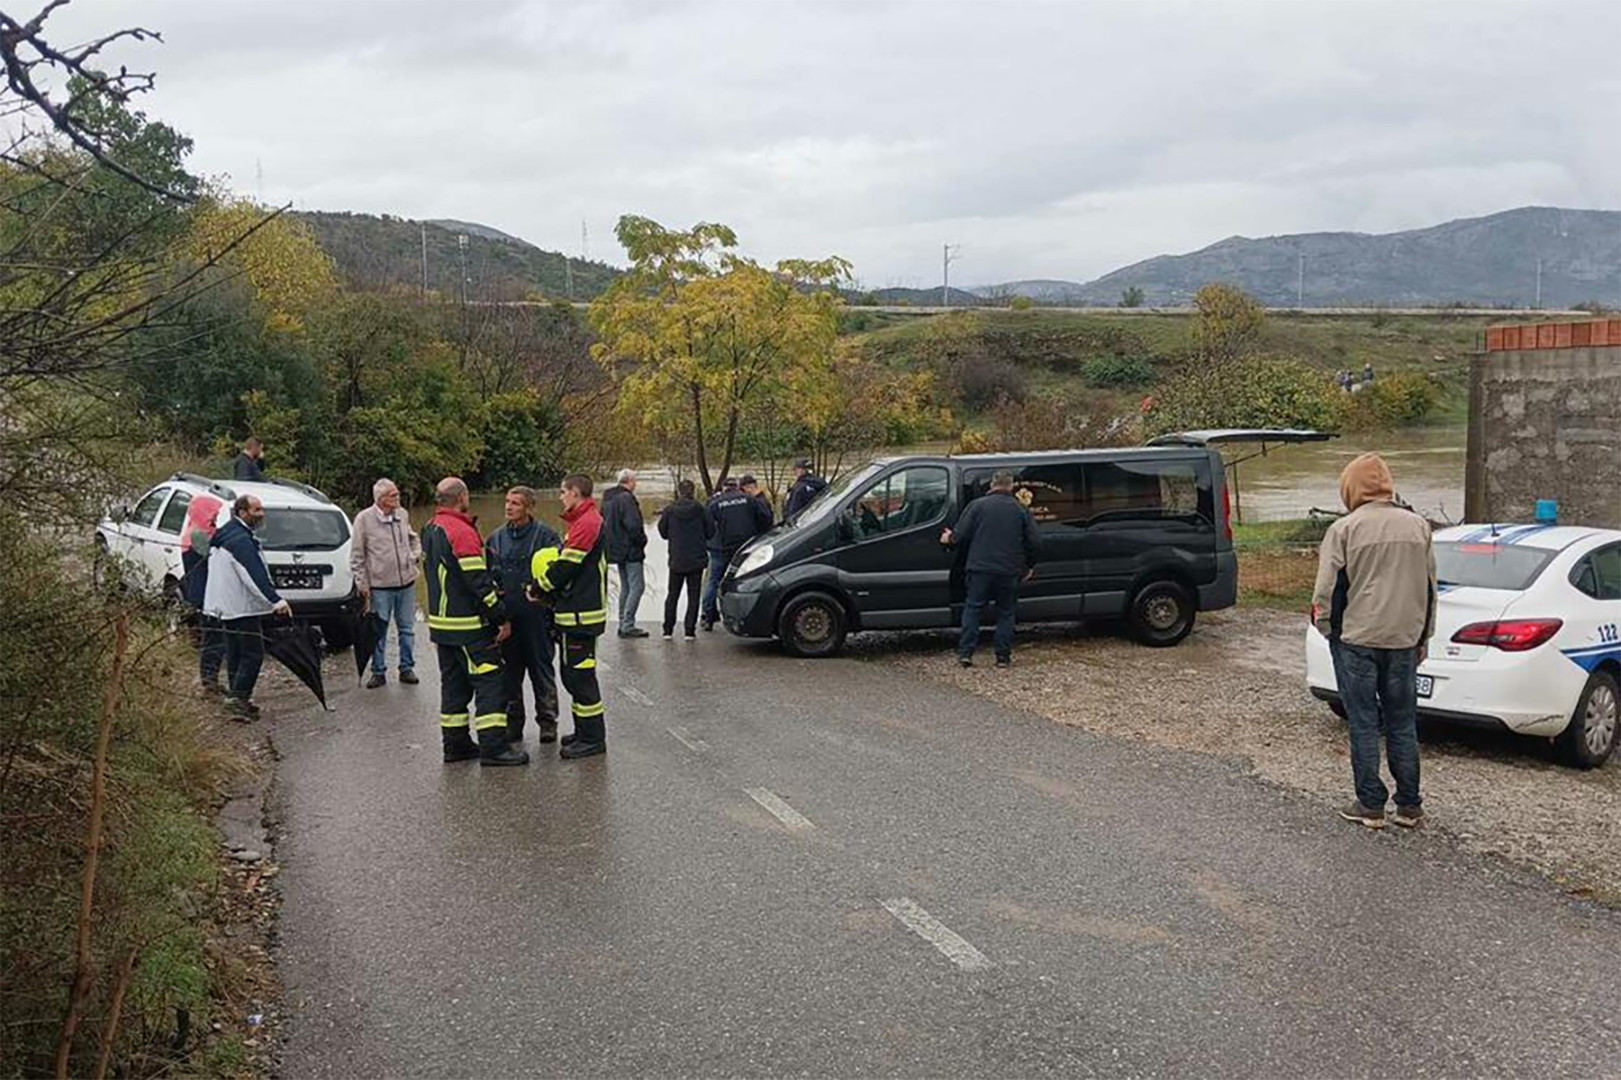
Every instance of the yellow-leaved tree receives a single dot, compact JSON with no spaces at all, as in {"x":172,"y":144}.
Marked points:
{"x":697,"y":334}
{"x":279,"y":256}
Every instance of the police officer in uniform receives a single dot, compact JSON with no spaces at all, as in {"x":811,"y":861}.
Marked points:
{"x":738,"y":517}
{"x":574,"y":579}
{"x":467,"y":626}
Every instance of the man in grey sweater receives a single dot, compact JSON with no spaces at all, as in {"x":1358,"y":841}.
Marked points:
{"x":383,"y":554}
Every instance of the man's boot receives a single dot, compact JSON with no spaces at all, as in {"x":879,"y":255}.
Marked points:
{"x":458,"y":744}
{"x":548,"y":730}
{"x":592,"y":739}
{"x":494,"y":750}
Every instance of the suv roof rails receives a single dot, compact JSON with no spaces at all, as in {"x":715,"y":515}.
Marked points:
{"x":303,"y":489}
{"x":216,"y":487}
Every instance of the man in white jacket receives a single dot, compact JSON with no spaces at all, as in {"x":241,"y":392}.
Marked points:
{"x":240,"y":594}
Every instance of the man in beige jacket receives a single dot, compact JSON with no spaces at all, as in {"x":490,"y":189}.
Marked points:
{"x":383,"y":553}
{"x":1375,"y":602}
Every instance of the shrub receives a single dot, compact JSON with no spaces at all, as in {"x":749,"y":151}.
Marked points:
{"x":1021,"y":303}
{"x":1251,"y":391}
{"x":524,"y":442}
{"x":1131,"y":297}
{"x":983,"y":383}
{"x":1395,"y":400}
{"x":1103,"y":372}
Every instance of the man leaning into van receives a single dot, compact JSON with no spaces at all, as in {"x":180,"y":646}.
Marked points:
{"x":1000,"y":538}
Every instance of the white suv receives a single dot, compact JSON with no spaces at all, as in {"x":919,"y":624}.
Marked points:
{"x":305,"y":540}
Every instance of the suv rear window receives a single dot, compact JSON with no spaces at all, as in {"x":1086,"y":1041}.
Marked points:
{"x":303,"y":530}
{"x":1489,"y":566}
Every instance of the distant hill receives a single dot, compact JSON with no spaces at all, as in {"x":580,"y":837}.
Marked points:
{"x":1489,"y":261}
{"x":375,"y":252}
{"x":897,"y":297}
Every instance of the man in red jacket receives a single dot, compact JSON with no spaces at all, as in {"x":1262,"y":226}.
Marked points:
{"x":575,"y":579}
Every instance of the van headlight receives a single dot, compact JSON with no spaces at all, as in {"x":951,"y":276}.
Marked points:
{"x":757,"y":559}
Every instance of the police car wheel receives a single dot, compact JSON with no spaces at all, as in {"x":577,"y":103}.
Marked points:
{"x":812,"y":625}
{"x":1595,"y":727}
{"x":1161,"y":613}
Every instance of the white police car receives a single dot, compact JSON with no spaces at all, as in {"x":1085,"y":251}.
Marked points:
{"x":1527,"y":636}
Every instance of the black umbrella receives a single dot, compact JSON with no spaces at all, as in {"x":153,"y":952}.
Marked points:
{"x":293,"y":644}
{"x":366,"y":629}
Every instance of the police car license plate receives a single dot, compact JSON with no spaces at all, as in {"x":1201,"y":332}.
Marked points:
{"x":1426,"y":685}
{"x":296,"y":577}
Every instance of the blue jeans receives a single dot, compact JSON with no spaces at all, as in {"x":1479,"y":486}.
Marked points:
{"x":244,"y":655}
{"x":399,"y":607}
{"x":1379,"y":688}
{"x":631,"y":581}
{"x":983,"y":588}
{"x":718,"y":562}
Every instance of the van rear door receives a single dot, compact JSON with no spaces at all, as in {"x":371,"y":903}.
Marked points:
{"x":1147,"y":518}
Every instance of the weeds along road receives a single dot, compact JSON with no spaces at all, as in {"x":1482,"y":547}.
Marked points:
{"x":839,"y":868}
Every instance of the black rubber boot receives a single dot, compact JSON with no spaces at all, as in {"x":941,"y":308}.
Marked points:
{"x":515,"y":730}
{"x":458,"y":744}
{"x":591,"y":738}
{"x":493,"y":749}
{"x":548,"y":730}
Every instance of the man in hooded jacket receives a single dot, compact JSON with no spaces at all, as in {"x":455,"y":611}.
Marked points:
{"x":687,"y":530}
{"x":1375,"y":602}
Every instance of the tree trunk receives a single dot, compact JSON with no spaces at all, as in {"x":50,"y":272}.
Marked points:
{"x":731,"y":442}
{"x":698,"y":438}
{"x":82,"y":975}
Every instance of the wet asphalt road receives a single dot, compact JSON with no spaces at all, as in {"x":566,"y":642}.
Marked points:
{"x":803,"y":868}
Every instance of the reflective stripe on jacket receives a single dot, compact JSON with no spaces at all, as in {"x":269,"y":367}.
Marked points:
{"x":463,"y":603}
{"x":577,"y":574}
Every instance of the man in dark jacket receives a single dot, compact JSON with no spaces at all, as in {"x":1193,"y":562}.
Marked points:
{"x":239,"y":592}
{"x":250,"y":463}
{"x":738,"y":518}
{"x":467,"y":625}
{"x":627,"y":548}
{"x":807,"y":485}
{"x":574,"y":580}
{"x":511,"y":551}
{"x":687,"y":529}
{"x":1000,"y":538}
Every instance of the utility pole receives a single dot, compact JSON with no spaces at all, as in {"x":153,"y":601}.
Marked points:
{"x":568,"y":275}
{"x":424,"y":260}
{"x":1539,"y":285}
{"x":461,"y":246}
{"x":948,"y":255}
{"x":1300,"y":281}
{"x":585,"y":242}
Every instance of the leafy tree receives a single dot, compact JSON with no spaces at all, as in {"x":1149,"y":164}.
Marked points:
{"x":1132,"y":296}
{"x":1021,"y":303}
{"x":1227,"y":321}
{"x":525,"y":441}
{"x":697,"y":332}
{"x":1251,"y":391}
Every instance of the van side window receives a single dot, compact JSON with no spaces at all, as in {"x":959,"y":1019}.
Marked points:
{"x":901,"y":500}
{"x":146,"y":511}
{"x":1053,"y":493}
{"x":1129,"y":490}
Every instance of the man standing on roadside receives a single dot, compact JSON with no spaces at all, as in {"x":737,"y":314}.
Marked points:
{"x":574,"y":579}
{"x":738,"y":518}
{"x":807,"y":485}
{"x":239,"y":593}
{"x":250,"y":463}
{"x":383,"y":555}
{"x":1375,"y":602}
{"x":686,"y":530}
{"x":467,"y":625}
{"x":627,"y":548}
{"x":511,"y":551}
{"x":1002,"y":545}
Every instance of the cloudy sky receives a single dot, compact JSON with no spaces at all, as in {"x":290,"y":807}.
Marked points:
{"x":1057,"y":139}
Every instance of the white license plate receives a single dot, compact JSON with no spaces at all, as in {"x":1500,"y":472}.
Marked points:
{"x":1426,"y":685}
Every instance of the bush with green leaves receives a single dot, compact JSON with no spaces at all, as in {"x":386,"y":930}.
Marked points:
{"x":525,"y":442}
{"x":1250,"y":391}
{"x":1117,"y":372}
{"x":1021,"y":303}
{"x":1395,"y":400}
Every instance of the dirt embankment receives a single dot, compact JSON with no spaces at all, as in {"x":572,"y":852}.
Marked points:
{"x":1236,"y":688}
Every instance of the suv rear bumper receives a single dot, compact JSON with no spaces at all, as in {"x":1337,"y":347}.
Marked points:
{"x":324,"y":608}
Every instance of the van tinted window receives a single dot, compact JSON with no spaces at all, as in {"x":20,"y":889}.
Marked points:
{"x":902,"y":500}
{"x":1053,"y":492}
{"x":1132,"y":489}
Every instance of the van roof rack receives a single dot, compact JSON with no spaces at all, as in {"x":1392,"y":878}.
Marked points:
{"x":303,"y":489}
{"x":215,"y":487}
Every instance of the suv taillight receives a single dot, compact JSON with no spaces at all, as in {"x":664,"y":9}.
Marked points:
{"x":1510,"y":635}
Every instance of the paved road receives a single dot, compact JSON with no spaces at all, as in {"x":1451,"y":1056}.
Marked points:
{"x":802,"y":868}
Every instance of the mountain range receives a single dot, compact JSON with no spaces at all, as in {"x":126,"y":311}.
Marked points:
{"x":1492,"y":261}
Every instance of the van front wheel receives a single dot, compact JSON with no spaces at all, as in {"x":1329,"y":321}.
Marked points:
{"x":1161,"y":613}
{"x":812,"y":625}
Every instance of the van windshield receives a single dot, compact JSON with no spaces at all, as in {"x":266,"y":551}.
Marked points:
{"x":302,"y":530}
{"x":834,"y":493}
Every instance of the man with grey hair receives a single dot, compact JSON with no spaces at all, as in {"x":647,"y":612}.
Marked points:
{"x":383,"y":555}
{"x":999,"y":537}
{"x":627,"y":548}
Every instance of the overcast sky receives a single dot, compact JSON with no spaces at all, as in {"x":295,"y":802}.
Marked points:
{"x":1048,"y":139}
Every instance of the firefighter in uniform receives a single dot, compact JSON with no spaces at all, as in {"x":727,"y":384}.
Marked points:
{"x":574,"y":580}
{"x":467,"y":625}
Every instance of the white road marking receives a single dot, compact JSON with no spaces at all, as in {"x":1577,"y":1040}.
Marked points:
{"x":636,"y":695}
{"x":777,"y":808}
{"x":951,"y":944}
{"x":688,"y":739}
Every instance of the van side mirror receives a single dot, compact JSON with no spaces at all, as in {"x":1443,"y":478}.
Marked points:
{"x":843,"y":529}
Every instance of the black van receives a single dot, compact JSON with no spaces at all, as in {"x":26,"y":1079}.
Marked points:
{"x":1140,"y":534}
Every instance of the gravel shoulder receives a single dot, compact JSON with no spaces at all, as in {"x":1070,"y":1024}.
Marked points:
{"x":1236,"y":689}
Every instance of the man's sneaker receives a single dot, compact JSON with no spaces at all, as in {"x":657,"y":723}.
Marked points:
{"x":1372,"y":819}
{"x":239,"y":709}
{"x":669,"y":635}
{"x":377,"y":679}
{"x":690,"y":635}
{"x":1409,"y":817}
{"x":408,"y":677}
{"x":1004,"y":661}
{"x":965,"y":661}
{"x":633,"y":632}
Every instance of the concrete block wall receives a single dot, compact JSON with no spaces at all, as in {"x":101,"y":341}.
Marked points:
{"x":1545,"y":424}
